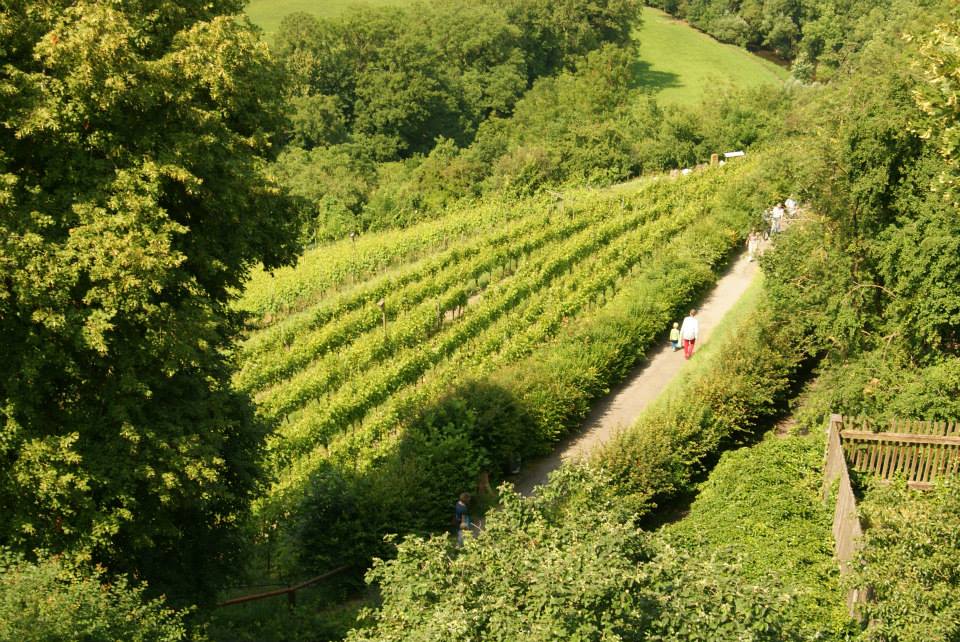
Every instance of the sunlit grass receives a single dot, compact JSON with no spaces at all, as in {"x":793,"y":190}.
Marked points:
{"x":681,"y":65}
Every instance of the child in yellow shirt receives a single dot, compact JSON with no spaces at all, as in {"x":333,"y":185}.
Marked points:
{"x":675,"y":336}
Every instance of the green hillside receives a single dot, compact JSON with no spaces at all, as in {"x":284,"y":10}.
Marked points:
{"x":480,"y":306}
{"x":679,"y":64}
{"x":267,"y":14}
{"x":682,"y":65}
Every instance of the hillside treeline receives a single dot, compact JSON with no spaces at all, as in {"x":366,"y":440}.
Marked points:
{"x":396,"y":115}
{"x":135,"y":196}
{"x":863,"y":290}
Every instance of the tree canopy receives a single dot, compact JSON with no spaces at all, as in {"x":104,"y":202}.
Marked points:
{"x":134,"y":197}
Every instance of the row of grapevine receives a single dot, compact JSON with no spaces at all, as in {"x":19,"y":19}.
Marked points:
{"x":414,"y":329}
{"x":272,"y":354}
{"x":357,"y":422}
{"x":329,"y":267}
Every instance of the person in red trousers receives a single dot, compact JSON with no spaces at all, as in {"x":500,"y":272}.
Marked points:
{"x":689,"y":332}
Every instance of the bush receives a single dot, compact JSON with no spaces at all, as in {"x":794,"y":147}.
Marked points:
{"x":566,"y":565}
{"x":763,"y":503}
{"x":909,"y":560}
{"x":50,"y":600}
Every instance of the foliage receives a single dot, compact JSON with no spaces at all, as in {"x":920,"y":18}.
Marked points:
{"x":408,"y":419}
{"x":566,"y":565}
{"x":438,"y":69}
{"x":909,"y":562}
{"x":134,"y":198}
{"x":940,"y":53}
{"x":763,"y":504}
{"x":396,"y":159}
{"x":52,"y":600}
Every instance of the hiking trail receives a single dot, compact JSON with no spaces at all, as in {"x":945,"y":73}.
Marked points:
{"x":621,"y":407}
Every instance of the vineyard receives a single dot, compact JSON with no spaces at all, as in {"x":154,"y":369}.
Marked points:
{"x":551,"y":301}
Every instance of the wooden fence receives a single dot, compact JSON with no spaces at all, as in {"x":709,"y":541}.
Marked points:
{"x":847,"y":532}
{"x":918,"y":451}
{"x":289,"y":591}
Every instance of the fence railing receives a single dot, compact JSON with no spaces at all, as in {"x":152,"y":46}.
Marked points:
{"x":847,"y":532}
{"x":918,"y":451}
{"x":289,"y":591}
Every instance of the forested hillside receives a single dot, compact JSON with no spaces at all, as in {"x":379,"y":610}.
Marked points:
{"x":395,"y":116}
{"x":862,"y":292}
{"x":194,"y":406}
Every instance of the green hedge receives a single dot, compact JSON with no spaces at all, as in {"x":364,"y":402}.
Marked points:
{"x":727,"y":403}
{"x":764,"y":504}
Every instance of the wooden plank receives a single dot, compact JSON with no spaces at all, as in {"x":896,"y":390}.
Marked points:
{"x":918,"y":454}
{"x":928,"y":465}
{"x":895,"y":449}
{"x":877,"y":468}
{"x":884,"y":464}
{"x":859,"y":454}
{"x":873,"y":451}
{"x":900,"y":437}
{"x":935,"y":471}
{"x":896,"y":456}
{"x":906,"y":453}
{"x":916,"y":466}
{"x":906,"y":458}
{"x":895,"y":453}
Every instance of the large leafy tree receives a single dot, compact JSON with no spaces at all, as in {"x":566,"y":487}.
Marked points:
{"x":134,"y":139}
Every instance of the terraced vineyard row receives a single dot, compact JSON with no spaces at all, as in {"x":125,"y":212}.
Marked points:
{"x":338,"y":388}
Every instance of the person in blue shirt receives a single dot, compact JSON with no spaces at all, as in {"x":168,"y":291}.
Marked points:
{"x":462,"y":516}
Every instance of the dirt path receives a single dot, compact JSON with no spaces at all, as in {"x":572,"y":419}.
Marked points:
{"x":622,"y":406}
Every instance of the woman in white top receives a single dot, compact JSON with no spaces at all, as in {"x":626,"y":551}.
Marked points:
{"x":689,"y":332}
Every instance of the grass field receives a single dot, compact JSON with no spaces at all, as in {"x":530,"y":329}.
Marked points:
{"x":680,"y":64}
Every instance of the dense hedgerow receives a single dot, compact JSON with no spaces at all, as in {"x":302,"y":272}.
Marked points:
{"x":763,"y":504}
{"x":568,"y":565}
{"x":909,"y":561}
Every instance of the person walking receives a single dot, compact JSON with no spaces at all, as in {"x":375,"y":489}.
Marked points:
{"x":461,"y":516}
{"x":776,"y":216}
{"x":689,"y":332}
{"x":753,"y":244}
{"x":675,"y":336}
{"x":791,"y":206}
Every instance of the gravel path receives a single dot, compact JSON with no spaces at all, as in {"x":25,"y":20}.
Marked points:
{"x":621,"y":407}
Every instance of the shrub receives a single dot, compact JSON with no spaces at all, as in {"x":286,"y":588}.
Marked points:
{"x":50,"y":600}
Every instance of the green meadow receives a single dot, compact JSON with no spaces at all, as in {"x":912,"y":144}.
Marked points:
{"x":680,"y":64}
{"x":677,"y":63}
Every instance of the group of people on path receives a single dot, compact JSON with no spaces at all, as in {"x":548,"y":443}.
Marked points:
{"x":682,"y":335}
{"x":773,"y":218}
{"x":685,"y":335}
